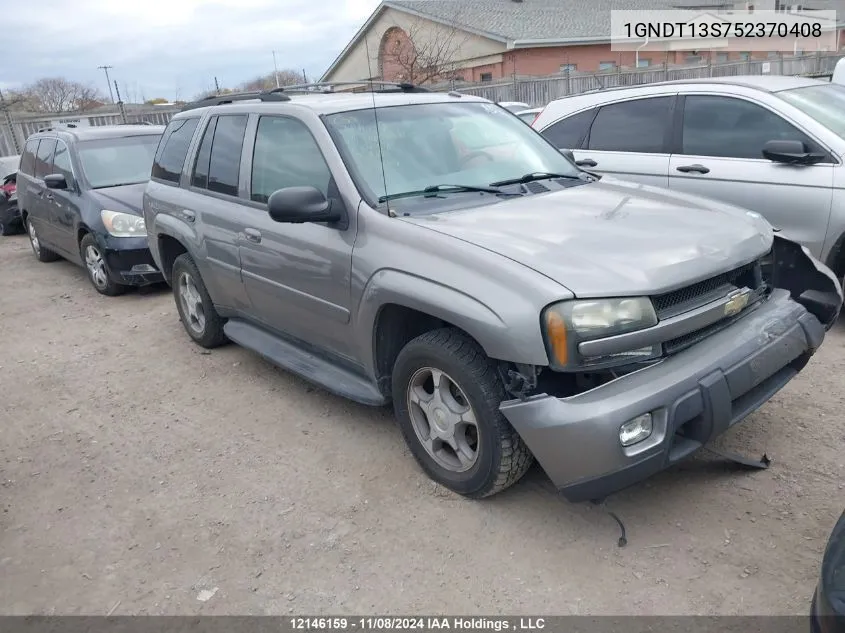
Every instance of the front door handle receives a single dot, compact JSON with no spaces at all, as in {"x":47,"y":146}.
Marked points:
{"x":189,"y":215}
{"x":700,"y":169}
{"x":587,"y":162}
{"x":49,"y":196}
{"x":252,"y":235}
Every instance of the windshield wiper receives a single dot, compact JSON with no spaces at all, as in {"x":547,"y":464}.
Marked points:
{"x":119,"y":184}
{"x":433,"y":190}
{"x":537,"y":175}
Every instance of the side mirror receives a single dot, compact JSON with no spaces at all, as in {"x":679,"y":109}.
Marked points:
{"x":790,"y":152}
{"x":55,"y":181}
{"x":301,"y":204}
{"x":568,"y":153}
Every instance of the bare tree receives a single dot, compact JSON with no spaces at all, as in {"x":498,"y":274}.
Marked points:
{"x":423,"y":52}
{"x":287,"y":77}
{"x":56,"y":94}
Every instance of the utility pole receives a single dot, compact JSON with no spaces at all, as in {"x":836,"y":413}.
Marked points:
{"x":304,"y":76}
{"x":120,"y":103}
{"x":10,"y":123}
{"x":216,"y":85}
{"x":108,"y":81}
{"x":276,"y":70}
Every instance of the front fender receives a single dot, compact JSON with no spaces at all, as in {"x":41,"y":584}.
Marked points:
{"x":810,"y":282}
{"x":485,"y":324}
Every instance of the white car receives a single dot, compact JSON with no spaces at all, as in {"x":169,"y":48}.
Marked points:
{"x":770,"y":144}
{"x":529,"y":115}
{"x":514,"y":106}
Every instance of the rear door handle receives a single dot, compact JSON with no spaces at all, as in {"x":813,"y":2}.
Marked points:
{"x":49,"y":196}
{"x":189,"y":215}
{"x":252,"y":235}
{"x":700,"y":169}
{"x":587,"y":162}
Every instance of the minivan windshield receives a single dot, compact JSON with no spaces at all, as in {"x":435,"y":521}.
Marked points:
{"x":111,"y":162}
{"x":470,"y":144}
{"x":825,"y":103}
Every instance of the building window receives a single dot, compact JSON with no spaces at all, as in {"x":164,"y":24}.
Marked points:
{"x":568,"y":68}
{"x":745,"y":56}
{"x":643,"y":63}
{"x":607,"y":65}
{"x":773,"y":55}
{"x":486,"y":77}
{"x":721,"y":58}
{"x":692,"y":59}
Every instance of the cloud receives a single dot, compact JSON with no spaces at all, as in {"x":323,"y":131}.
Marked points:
{"x":165,"y":47}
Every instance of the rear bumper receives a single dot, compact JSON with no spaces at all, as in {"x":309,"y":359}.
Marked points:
{"x":130,"y":263}
{"x":693,"y":397}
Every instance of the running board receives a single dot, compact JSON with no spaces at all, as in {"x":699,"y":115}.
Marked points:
{"x":311,"y":367}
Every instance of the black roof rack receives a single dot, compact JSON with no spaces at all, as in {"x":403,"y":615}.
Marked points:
{"x":328,"y":86}
{"x":263,"y":95}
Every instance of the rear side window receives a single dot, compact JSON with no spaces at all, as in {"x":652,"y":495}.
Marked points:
{"x":28,"y":157}
{"x":173,"y":149}
{"x":632,"y":126}
{"x":200,"y":176}
{"x":570,"y":132}
{"x":224,"y":166}
{"x":44,"y":157}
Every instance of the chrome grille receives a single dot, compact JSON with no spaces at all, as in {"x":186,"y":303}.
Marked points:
{"x":690,"y":297}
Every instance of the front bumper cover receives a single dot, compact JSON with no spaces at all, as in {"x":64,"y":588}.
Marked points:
{"x":130,"y":262}
{"x":693,"y":396}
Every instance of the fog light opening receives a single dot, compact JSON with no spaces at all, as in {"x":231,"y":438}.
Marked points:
{"x":636,"y":430}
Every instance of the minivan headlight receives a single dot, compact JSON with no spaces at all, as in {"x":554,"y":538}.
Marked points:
{"x":569,"y":322}
{"x":123,"y":224}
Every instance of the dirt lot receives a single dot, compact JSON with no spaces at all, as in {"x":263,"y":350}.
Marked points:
{"x":141,"y":475}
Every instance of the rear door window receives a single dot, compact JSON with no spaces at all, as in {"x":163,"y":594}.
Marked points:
{"x":44,"y":157}
{"x":225,"y":165}
{"x":173,"y":149}
{"x":570,"y":132}
{"x":638,"y":126}
{"x":28,"y":157}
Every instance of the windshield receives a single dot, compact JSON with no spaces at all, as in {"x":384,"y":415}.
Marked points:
{"x":422,"y":145}
{"x":825,"y":103}
{"x":118,"y":161}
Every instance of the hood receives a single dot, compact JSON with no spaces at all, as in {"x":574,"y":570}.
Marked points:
{"x":126,"y":198}
{"x":612,"y":238}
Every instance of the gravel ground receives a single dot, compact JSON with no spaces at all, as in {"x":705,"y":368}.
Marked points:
{"x":142,"y":475}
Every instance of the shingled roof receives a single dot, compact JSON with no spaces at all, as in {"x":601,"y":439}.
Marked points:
{"x":521,"y":22}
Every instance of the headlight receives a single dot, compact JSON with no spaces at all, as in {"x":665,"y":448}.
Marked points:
{"x":123,"y":224}
{"x":569,"y":322}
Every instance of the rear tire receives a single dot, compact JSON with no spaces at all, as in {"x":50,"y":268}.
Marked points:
{"x":97,"y":269}
{"x":446,"y":395}
{"x":196,"y":310}
{"x":41,"y":253}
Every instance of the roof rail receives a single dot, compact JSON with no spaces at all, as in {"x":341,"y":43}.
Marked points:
{"x":136,"y":123}
{"x":263,"y":95}
{"x":328,"y":86}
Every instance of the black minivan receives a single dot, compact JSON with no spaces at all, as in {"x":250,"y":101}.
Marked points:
{"x":80,"y":196}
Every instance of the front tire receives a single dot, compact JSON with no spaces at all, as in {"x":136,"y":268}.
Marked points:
{"x":446,"y":395}
{"x":41,"y":253}
{"x":95,"y":266}
{"x":196,"y":310}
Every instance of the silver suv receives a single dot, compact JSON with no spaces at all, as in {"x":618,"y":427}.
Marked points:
{"x":771,"y":144}
{"x":433,"y":251}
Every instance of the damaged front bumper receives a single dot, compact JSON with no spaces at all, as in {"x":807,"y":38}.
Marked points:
{"x":693,"y":396}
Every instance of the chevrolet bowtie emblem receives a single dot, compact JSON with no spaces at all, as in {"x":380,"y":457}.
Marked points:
{"x":737,"y":301}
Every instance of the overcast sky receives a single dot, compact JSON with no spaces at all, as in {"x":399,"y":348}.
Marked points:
{"x":173,"y":48}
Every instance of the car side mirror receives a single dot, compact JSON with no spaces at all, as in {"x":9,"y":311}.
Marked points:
{"x":568,"y":153}
{"x":55,"y":181}
{"x":790,"y":152}
{"x":301,"y":204}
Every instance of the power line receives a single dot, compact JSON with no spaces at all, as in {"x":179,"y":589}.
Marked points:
{"x":108,"y":81}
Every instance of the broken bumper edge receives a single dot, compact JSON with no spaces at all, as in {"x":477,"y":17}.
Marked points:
{"x":693,"y":397}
